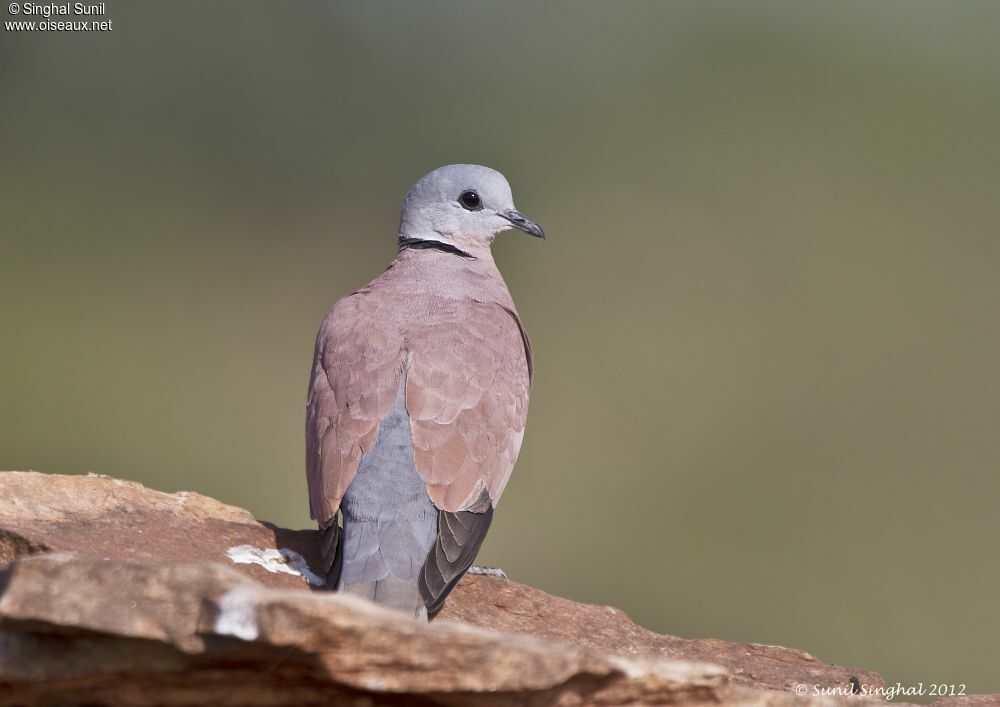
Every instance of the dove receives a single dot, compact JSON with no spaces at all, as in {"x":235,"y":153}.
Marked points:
{"x":418,"y":399}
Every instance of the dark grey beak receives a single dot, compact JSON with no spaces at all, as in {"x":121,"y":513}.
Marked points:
{"x":522,"y":223}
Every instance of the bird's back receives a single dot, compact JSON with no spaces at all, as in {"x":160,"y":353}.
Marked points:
{"x":416,"y":410}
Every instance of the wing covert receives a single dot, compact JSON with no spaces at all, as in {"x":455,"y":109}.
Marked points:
{"x":355,"y":378}
{"x":467,"y":396}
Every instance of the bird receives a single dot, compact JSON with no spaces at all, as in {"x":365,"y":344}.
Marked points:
{"x":418,"y":399}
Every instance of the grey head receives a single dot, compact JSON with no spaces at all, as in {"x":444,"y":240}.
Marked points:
{"x":462,"y":205}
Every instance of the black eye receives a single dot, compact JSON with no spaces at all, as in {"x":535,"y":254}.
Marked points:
{"x":470,"y":200}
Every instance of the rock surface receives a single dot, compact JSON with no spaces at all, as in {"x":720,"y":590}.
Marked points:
{"x":113,"y":593}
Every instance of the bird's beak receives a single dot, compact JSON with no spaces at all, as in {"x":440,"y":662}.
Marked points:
{"x":522,"y":223}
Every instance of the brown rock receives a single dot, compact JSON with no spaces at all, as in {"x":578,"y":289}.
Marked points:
{"x":110,"y":629}
{"x":156,"y":604}
{"x":516,"y":608}
{"x":106,"y":517}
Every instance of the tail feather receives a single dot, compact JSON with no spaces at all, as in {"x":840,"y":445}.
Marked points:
{"x":392,"y":592}
{"x":382,"y":562}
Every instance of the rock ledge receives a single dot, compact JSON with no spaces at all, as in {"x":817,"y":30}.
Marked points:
{"x":112,"y":593}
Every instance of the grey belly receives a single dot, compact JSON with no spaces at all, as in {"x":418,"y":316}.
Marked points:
{"x":390,"y":523}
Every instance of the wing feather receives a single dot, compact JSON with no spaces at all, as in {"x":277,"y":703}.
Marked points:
{"x":460,"y":536}
{"x":467,"y":387}
{"x":356,"y":369}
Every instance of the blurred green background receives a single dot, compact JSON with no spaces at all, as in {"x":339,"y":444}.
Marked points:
{"x":766,"y":321}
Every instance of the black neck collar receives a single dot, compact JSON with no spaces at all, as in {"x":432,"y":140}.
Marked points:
{"x":421,"y":244}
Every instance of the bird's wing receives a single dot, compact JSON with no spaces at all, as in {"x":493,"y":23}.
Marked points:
{"x":467,"y":396}
{"x":355,"y":381}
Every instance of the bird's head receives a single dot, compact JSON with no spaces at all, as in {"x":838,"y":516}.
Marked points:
{"x":462,"y":205}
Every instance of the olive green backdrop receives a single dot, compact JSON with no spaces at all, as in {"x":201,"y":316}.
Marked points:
{"x":766,"y":320}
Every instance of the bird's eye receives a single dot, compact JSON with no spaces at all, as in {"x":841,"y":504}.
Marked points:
{"x":470,"y":200}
